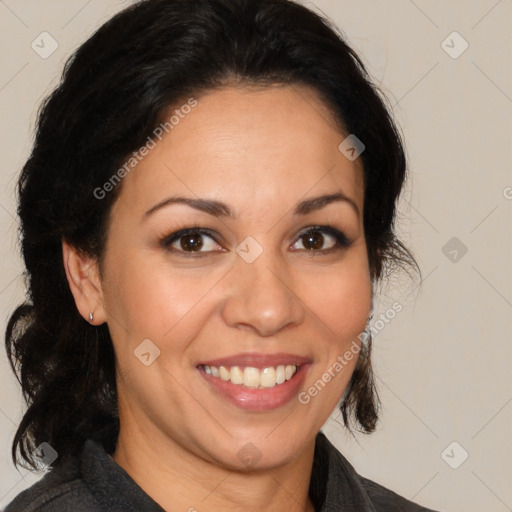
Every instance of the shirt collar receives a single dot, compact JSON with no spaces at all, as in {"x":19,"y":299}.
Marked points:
{"x":335,"y":485}
{"x":112,"y":487}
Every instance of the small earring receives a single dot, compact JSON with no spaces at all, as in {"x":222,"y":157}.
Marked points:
{"x":91,"y":317}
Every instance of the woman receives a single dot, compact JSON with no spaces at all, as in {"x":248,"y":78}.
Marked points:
{"x":206,"y":211}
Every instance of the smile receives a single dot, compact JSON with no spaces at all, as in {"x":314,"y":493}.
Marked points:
{"x":251,"y":377}
{"x":255,"y":381}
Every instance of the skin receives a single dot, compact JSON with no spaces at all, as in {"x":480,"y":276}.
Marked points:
{"x":260,"y":151}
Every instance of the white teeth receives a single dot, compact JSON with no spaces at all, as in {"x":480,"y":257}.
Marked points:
{"x":224,"y":374}
{"x":253,"y":377}
{"x":280,"y":374}
{"x":268,"y":378}
{"x":236,"y":375}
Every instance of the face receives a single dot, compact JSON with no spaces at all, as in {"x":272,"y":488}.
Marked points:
{"x":238,"y":242}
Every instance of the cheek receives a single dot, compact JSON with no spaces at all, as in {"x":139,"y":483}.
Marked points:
{"x":149,"y":299}
{"x":136,"y":296}
{"x":340,"y":299}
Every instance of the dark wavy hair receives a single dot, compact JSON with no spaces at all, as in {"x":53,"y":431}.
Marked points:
{"x":114,"y":91}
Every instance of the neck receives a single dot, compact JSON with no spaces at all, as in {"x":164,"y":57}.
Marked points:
{"x":179,"y":480}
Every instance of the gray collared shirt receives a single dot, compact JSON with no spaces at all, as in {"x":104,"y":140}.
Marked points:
{"x":94,"y":482}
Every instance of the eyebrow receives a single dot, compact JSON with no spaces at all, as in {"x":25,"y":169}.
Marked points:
{"x":218,"y":209}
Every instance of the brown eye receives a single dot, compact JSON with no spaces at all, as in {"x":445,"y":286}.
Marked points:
{"x":191,"y":242}
{"x":321,"y":239}
{"x":313,"y":240}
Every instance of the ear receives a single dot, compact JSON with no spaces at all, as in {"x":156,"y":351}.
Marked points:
{"x":84,"y":281}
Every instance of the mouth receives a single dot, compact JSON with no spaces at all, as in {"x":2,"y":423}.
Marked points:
{"x":251,"y":377}
{"x":256,"y":382}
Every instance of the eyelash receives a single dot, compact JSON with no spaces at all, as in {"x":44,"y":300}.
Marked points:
{"x":341,"y":240}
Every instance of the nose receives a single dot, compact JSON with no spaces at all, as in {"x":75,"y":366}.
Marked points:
{"x":261,"y":298}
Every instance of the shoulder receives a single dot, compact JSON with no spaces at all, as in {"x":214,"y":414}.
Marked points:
{"x":92,"y":482}
{"x":386,"y":500}
{"x":344,"y":484}
{"x":60,"y":489}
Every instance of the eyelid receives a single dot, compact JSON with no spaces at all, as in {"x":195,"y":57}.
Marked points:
{"x":167,"y":240}
{"x":324,"y":227}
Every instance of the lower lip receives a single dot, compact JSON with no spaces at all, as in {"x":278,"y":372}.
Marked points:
{"x":253,"y":399}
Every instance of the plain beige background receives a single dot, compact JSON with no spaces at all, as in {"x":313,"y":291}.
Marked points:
{"x":443,"y":362}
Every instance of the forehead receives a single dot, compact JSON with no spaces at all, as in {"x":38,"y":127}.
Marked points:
{"x":246,"y":145}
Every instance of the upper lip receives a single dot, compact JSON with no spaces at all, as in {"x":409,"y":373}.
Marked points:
{"x":257,"y":360}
